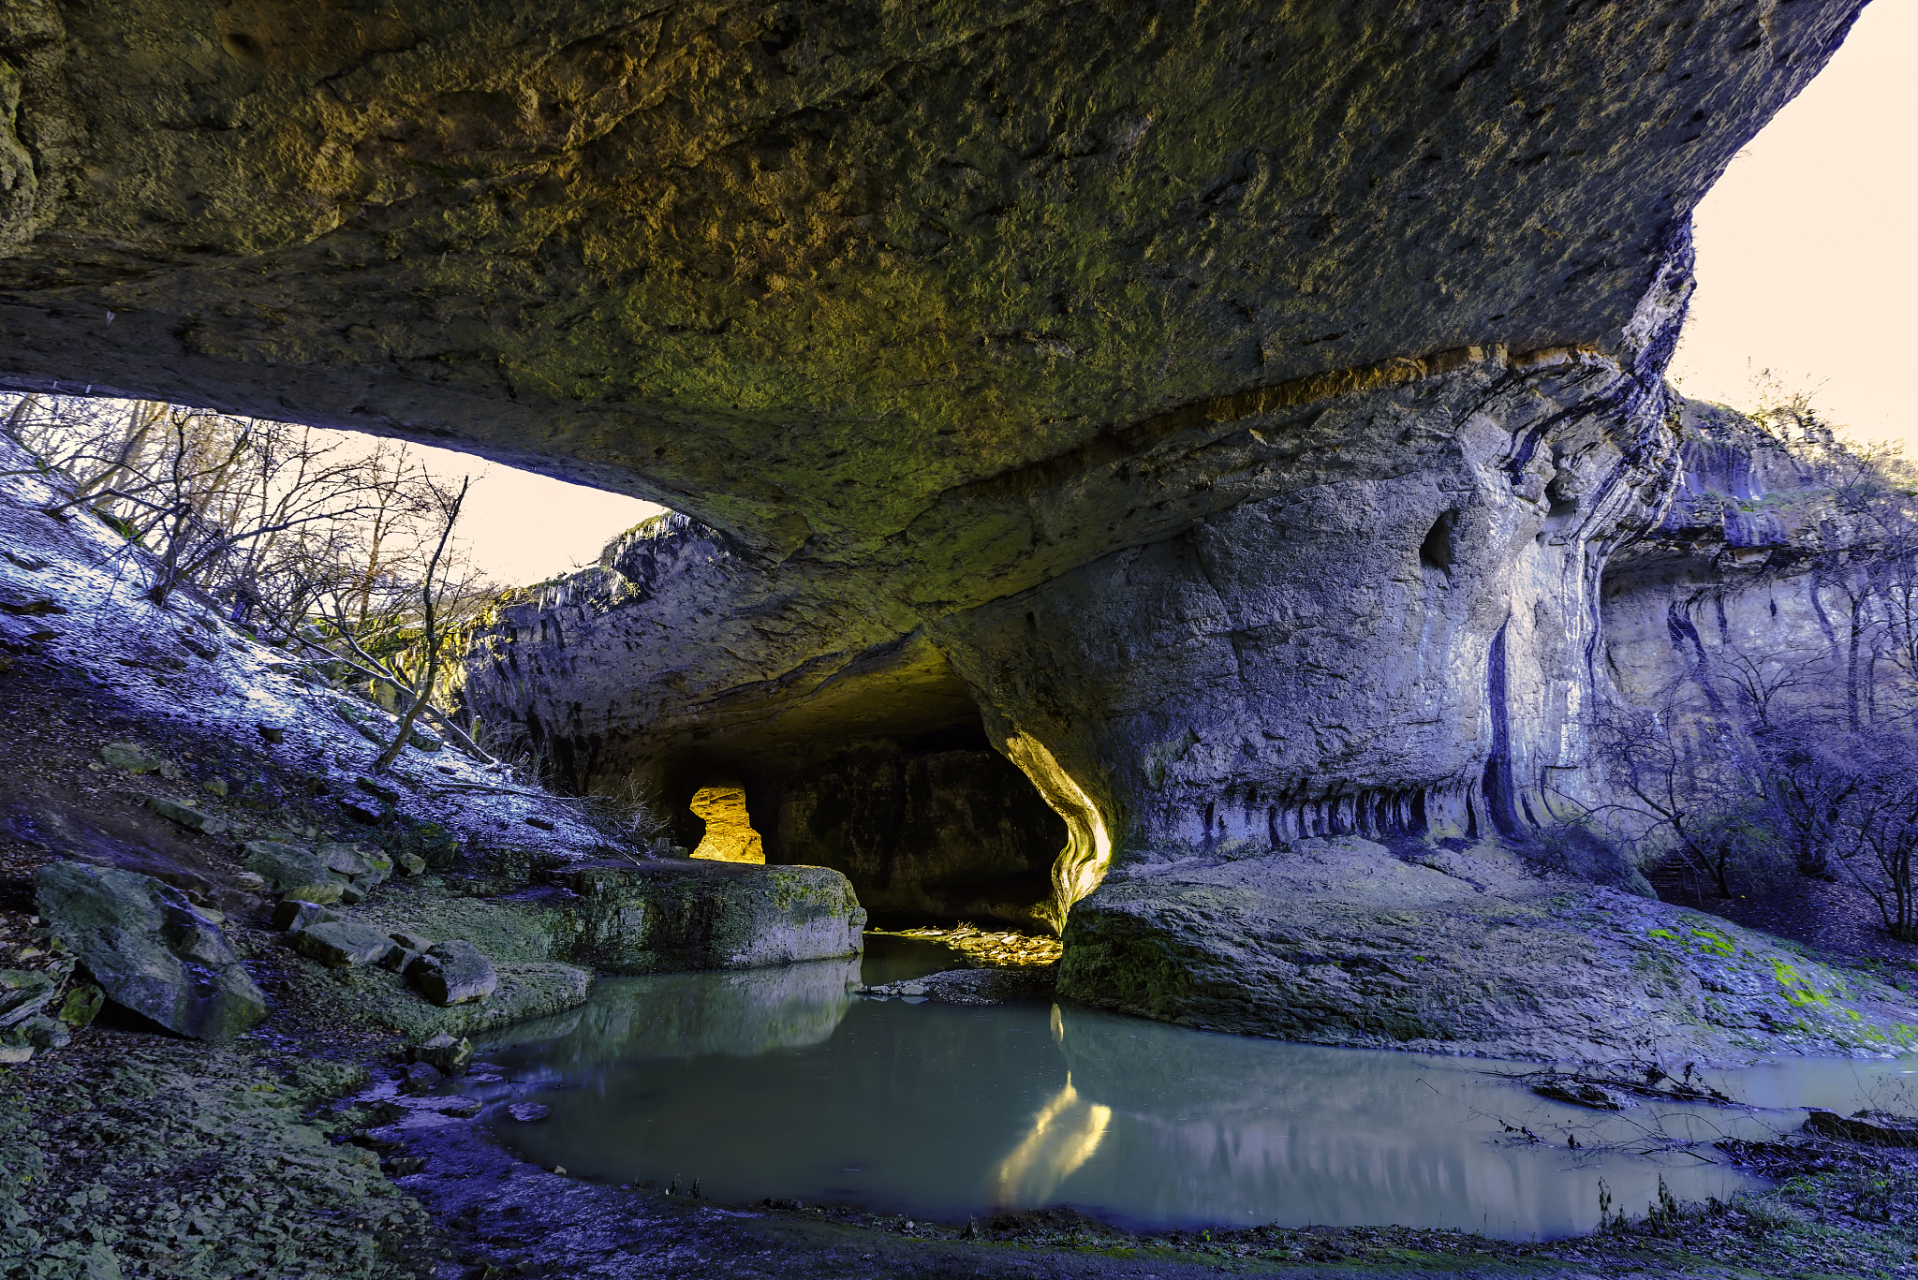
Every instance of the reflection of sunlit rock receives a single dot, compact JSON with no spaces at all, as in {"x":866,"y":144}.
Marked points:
{"x":685,"y":1014}
{"x":1001,"y":949}
{"x":1065,"y":1133}
{"x":729,"y":831}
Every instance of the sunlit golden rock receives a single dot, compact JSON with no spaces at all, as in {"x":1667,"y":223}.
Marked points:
{"x":729,"y":831}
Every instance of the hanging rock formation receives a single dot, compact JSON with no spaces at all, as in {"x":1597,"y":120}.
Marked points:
{"x":1223,"y":413}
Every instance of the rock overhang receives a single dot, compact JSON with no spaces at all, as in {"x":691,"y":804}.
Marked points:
{"x":806,"y":270}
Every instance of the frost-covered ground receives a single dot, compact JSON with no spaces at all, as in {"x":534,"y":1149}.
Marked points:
{"x":185,"y":666}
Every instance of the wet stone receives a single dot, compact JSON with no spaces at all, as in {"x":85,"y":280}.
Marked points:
{"x":444,"y":1052}
{"x":529,"y":1112}
{"x":22,"y":995}
{"x":419,"y":1077}
{"x":454,"y":973}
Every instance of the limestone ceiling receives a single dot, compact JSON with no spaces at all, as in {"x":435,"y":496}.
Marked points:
{"x":802,"y":268}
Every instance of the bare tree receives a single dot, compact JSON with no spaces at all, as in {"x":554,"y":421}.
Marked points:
{"x":344,"y":551}
{"x":397,"y":631}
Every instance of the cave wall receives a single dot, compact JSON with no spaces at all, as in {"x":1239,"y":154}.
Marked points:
{"x":1749,"y":558}
{"x":941,"y":827}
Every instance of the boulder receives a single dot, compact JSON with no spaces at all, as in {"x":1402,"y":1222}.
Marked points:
{"x":149,"y":950}
{"x":453,"y":973}
{"x":1339,"y":941}
{"x":23,"y":993}
{"x":668,"y":916}
{"x":343,"y":944}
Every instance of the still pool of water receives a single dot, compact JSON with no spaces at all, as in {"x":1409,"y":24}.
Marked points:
{"x":782,"y":1083}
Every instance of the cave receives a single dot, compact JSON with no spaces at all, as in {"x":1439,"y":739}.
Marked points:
{"x":897,"y":786}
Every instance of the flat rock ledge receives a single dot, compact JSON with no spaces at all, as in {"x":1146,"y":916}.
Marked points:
{"x":1339,"y":941}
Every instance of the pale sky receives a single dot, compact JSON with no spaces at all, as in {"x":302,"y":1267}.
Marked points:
{"x":1806,"y":267}
{"x":1806,"y":257}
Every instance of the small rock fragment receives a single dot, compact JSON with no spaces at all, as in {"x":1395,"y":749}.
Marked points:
{"x":342,"y":944}
{"x":454,"y":973}
{"x":463,"y":1108}
{"x":191,"y":819}
{"x":216,"y":786}
{"x":295,"y":915}
{"x":132,"y":757}
{"x":411,"y":864}
{"x":41,"y":1032}
{"x":411,"y":941}
{"x":529,"y":1112}
{"x":251,"y":881}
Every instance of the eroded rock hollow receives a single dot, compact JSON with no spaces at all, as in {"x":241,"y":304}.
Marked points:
{"x":1150,"y":431}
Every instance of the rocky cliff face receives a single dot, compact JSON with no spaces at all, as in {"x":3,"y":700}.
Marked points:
{"x":1742,"y":561}
{"x":1223,"y":411}
{"x":1385,"y":627}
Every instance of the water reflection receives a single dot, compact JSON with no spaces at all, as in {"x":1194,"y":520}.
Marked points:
{"x":1065,"y":1134}
{"x":779,"y":1083}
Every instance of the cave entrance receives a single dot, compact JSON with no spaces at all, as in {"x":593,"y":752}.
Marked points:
{"x":888,"y":777}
